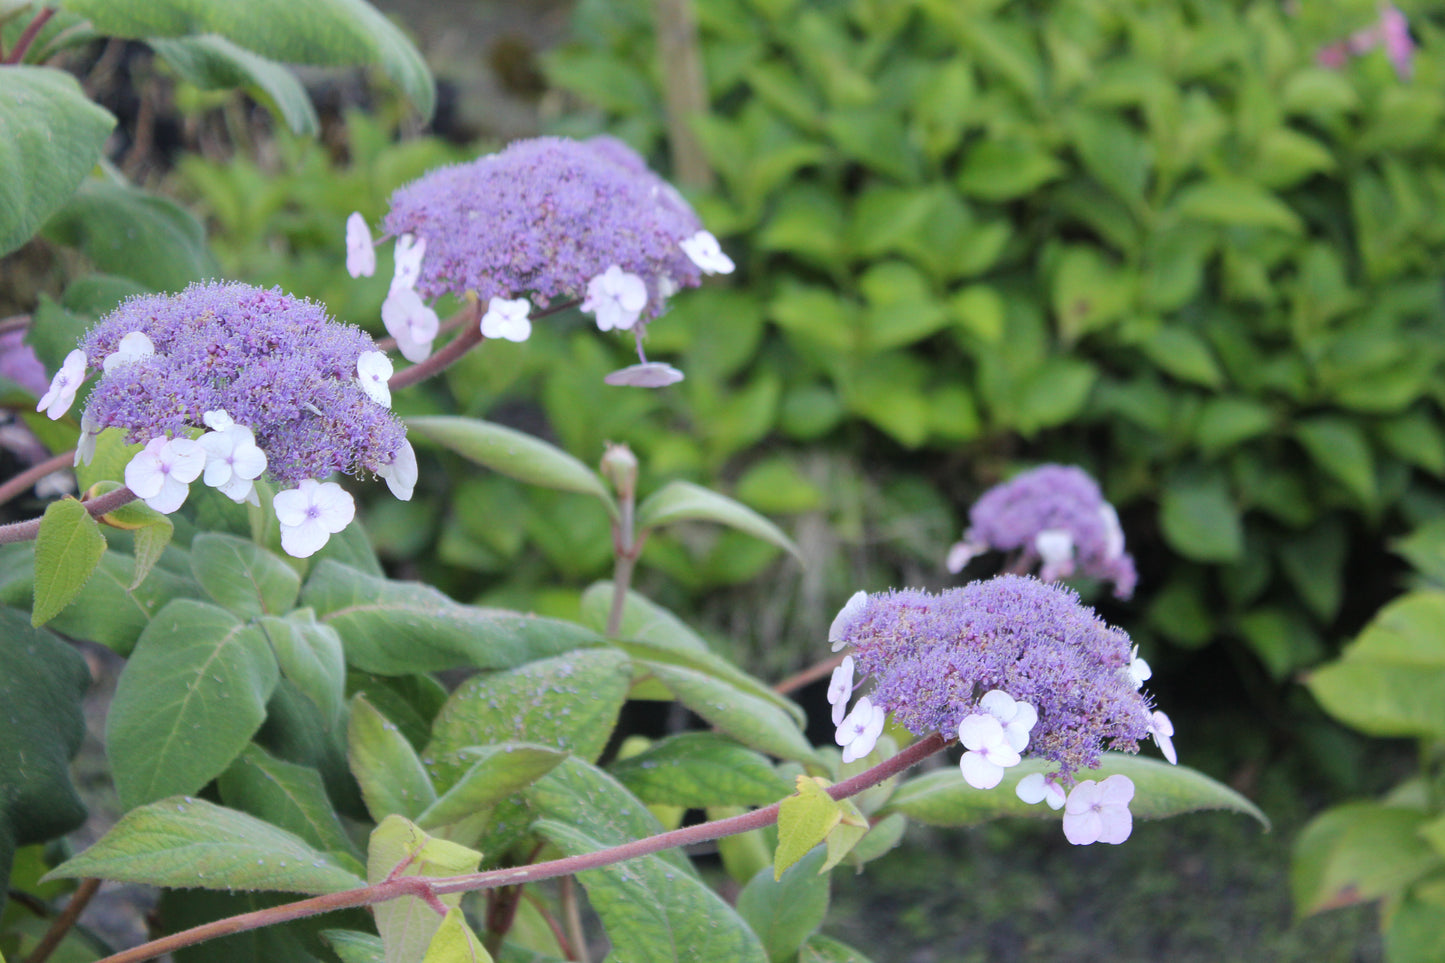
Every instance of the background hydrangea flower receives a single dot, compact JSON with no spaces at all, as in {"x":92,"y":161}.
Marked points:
{"x":933,"y":658}
{"x":544,"y":217}
{"x":1054,"y":514}
{"x":276,"y":364}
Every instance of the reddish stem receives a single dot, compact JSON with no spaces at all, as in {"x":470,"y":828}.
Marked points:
{"x":811,"y":674}
{"x":27,"y":478}
{"x":26,"y":531}
{"x":28,"y":37}
{"x":392,"y":889}
{"x":62,"y":923}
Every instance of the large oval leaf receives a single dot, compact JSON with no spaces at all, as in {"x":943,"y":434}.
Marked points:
{"x":326,"y":33}
{"x":243,"y":577}
{"x":192,"y":695}
{"x":942,"y":798}
{"x":679,"y":501}
{"x":193,"y":844}
{"x":513,"y":453}
{"x":50,"y":137}
{"x":397,"y":628}
{"x":214,"y":63}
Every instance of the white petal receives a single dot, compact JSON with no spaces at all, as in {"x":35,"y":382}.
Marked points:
{"x":401,"y":474}
{"x":171,"y":496}
{"x":217,"y":420}
{"x":408,"y":254}
{"x":143,"y":474}
{"x":290,"y":505}
{"x":981,"y":731}
{"x":58,"y":399}
{"x":979,"y":772}
{"x":133,"y":347}
{"x":1083,"y":828}
{"x":360,"y":253}
{"x":704,"y":251}
{"x":999,"y":704}
{"x":337,"y":507}
{"x":1055,"y":546}
{"x":1113,"y":532}
{"x":89,"y":432}
{"x":649,"y":374}
{"x":507,"y":319}
{"x":843,"y":621}
{"x":961,"y":553}
{"x":304,"y":540}
{"x":239,"y":490}
{"x":373,"y":373}
{"x":187,"y":459}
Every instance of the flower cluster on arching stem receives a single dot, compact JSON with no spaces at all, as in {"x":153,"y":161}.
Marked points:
{"x":1053,"y":516}
{"x":225,"y":382}
{"x":1012,"y":666}
{"x":545,"y":220}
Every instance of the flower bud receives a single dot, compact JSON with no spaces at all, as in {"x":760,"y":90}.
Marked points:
{"x":619,"y":466}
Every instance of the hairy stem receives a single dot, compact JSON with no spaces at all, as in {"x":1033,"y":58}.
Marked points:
{"x":811,"y":674}
{"x":27,"y":530}
{"x":27,"y":478}
{"x":28,"y":37}
{"x":419,"y":886}
{"x":62,"y":924}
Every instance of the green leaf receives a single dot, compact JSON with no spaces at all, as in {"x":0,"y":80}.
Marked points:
{"x":190,"y":843}
{"x":397,"y":628}
{"x":733,"y":705}
{"x":136,"y":235}
{"x":150,"y":532}
{"x":1391,"y":680}
{"x":67,"y":551}
{"x":569,"y":701}
{"x":1424,"y":548}
{"x":786,"y":910}
{"x":243,"y":577}
{"x":325,"y":33}
{"x":286,"y":795}
{"x":804,"y":820}
{"x":1225,"y":422}
{"x":700,"y":769}
{"x":455,"y":942}
{"x":498,"y":772}
{"x":513,"y":453}
{"x":824,"y":949}
{"x":1184,"y":355}
{"x":1359,"y":852}
{"x":353,"y":946}
{"x":215,"y":63}
{"x":310,"y":656}
{"x":683,"y":501}
{"x":1200,"y":520}
{"x":41,"y":689}
{"x":1339,"y":447}
{"x":192,"y":695}
{"x":1236,"y":204}
{"x":942,"y":798}
{"x":399,"y":848}
{"x":109,"y":611}
{"x":392,"y":777}
{"x":703,"y":661}
{"x":53,"y":137}
{"x":655,"y":909}
{"x":1000,"y":170}
{"x":642,"y":619}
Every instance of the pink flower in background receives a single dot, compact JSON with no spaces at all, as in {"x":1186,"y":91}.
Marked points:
{"x":1392,"y":31}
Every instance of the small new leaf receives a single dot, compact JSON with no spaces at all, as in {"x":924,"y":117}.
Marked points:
{"x":804,"y":821}
{"x":67,"y":550}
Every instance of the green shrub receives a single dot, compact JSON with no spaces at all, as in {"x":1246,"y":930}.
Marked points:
{"x":1155,"y":239}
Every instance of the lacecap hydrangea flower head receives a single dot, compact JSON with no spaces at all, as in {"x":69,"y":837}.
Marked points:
{"x":223,"y":382}
{"x":545,"y":220}
{"x":1012,"y":666}
{"x":1053,"y":516}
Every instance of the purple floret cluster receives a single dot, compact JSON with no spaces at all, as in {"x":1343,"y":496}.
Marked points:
{"x":275,"y":363}
{"x":933,"y":657}
{"x":542,"y":218}
{"x":1061,"y":500}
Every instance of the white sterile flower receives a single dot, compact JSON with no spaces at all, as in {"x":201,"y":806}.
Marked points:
{"x":858,"y":733}
{"x":373,"y":373}
{"x":1037,"y":788}
{"x":1139,"y":671}
{"x":233,"y":461}
{"x":162,"y":472}
{"x":1162,"y":731}
{"x":649,"y":374}
{"x":961,"y":553}
{"x":840,"y":689}
{"x":1017,"y":718}
{"x":666,"y":287}
{"x":131,"y":348}
{"x":844,"y":619}
{"x":310,"y":514}
{"x":410,"y":322}
{"x":507,"y":319}
{"x":58,"y":399}
{"x":56,"y":483}
{"x":989,"y":752}
{"x":616,"y":298}
{"x":1099,"y":812}
{"x":360,"y":252}
{"x":401,"y":474}
{"x":89,"y":432}
{"x":1113,"y":532}
{"x":704,"y":251}
{"x":408,"y":254}
{"x":1056,"y":547}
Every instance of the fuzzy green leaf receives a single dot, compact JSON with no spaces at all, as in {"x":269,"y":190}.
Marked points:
{"x":67,"y":551}
{"x":683,"y":501}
